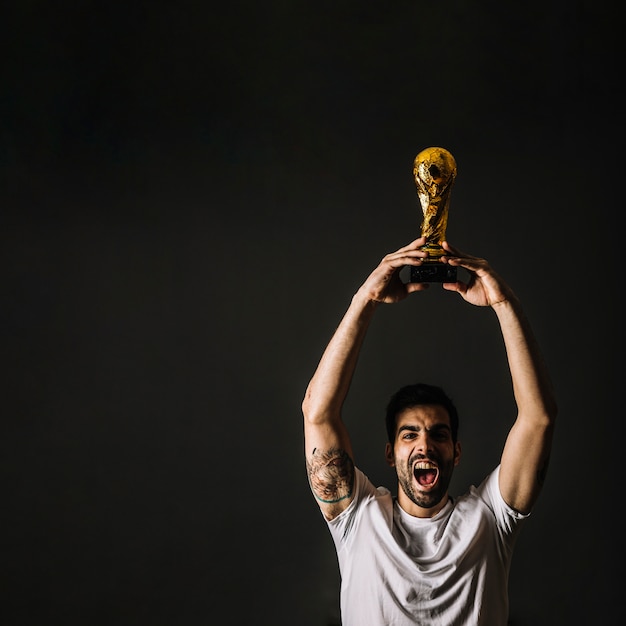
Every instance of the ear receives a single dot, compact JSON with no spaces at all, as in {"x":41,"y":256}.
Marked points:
{"x":389,"y":455}
{"x":457,"y":452}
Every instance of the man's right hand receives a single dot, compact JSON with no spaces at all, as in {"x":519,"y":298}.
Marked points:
{"x":384,"y":284}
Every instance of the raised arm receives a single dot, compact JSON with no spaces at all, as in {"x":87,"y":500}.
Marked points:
{"x":328,"y":451}
{"x":527,"y":450}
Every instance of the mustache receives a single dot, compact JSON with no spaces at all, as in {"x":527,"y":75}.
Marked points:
{"x":424,"y":457}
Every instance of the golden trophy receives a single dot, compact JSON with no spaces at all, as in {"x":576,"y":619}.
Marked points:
{"x":434,"y":170}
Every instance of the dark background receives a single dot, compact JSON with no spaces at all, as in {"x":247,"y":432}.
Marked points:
{"x":190,"y":194}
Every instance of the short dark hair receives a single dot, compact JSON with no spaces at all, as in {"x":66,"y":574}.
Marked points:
{"x":416,"y":395}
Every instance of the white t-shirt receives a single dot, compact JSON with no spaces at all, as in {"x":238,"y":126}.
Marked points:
{"x":447,"y":570}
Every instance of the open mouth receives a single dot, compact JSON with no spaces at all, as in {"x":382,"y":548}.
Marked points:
{"x":426,"y":473}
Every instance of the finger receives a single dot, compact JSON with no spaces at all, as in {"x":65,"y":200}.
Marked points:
{"x":413,"y":250}
{"x":470,"y":263}
{"x":416,"y":243}
{"x":451,"y":249}
{"x":409,"y":257}
{"x":456,"y":251}
{"x":459,"y":287}
{"x":413,"y":287}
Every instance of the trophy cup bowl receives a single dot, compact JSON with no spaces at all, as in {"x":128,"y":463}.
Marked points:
{"x":434,"y":171}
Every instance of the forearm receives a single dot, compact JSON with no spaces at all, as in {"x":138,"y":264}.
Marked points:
{"x":329,"y":386}
{"x":532,"y":386}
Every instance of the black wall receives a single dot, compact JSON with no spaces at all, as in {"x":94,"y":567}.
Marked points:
{"x":190,"y":195}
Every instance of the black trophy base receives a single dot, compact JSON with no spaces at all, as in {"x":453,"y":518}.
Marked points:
{"x":433,"y":272}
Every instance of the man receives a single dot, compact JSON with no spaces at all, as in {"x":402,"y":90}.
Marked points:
{"x":422,"y":557}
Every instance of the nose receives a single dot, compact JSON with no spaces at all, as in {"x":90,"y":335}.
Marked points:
{"x":424,"y":442}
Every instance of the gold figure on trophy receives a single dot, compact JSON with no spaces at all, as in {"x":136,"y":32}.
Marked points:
{"x":434,"y":170}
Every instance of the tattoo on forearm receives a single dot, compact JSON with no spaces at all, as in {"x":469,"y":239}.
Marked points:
{"x":331,"y":475}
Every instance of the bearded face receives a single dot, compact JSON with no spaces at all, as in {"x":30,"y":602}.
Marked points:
{"x":425,"y":479}
{"x":424,"y":456}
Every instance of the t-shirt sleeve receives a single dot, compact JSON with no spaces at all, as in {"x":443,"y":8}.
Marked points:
{"x":341,"y":526}
{"x":508,"y":518}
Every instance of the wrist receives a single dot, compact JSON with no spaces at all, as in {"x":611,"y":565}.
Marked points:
{"x":508,"y":304}
{"x":362,"y":300}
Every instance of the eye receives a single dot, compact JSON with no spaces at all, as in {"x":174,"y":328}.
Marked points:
{"x":441,"y":435}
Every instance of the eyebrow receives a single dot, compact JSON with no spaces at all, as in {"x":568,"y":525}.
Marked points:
{"x":416,"y":429}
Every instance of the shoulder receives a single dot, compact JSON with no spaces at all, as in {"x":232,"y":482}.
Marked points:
{"x":369,"y":501}
{"x":487,"y":496}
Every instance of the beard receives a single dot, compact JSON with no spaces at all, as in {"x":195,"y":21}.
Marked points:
{"x":432,"y":497}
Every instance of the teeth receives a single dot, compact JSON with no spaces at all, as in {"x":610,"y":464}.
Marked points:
{"x":425,"y":465}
